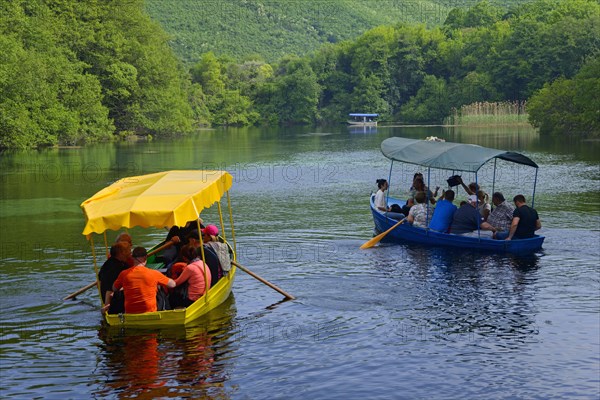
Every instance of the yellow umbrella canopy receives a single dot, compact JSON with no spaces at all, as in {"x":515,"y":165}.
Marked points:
{"x":158,"y":200}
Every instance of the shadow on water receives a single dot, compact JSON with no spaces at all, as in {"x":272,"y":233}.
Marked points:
{"x":191,"y":361}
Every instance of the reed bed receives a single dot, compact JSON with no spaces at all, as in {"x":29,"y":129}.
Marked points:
{"x":487,"y":113}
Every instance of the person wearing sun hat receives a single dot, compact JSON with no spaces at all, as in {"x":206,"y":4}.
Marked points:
{"x":467,"y":218}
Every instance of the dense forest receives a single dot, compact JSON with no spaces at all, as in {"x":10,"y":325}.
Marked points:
{"x":76,"y":72}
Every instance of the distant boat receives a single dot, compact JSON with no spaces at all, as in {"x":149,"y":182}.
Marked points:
{"x":363,"y":119}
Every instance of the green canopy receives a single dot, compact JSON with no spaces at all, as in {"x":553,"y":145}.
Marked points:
{"x":446,"y":155}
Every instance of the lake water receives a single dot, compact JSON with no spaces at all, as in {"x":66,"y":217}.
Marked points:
{"x":394,"y":321}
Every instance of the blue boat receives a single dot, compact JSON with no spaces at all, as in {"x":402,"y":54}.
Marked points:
{"x":361,"y":119}
{"x":454,"y":157}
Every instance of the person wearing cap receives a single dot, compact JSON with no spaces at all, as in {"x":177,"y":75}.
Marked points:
{"x":467,"y":219}
{"x":213,"y":244}
{"x":140,"y":284}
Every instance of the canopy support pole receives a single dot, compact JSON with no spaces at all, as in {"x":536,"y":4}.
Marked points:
{"x":387,"y":198}
{"x":221,"y":220}
{"x":477,"y":207}
{"x":95,"y":266}
{"x":494,"y":180}
{"x":427,"y":190}
{"x":206,"y":286}
{"x":231,"y":222}
{"x":534,"y":185}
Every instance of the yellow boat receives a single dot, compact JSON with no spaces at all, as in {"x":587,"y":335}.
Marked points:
{"x":163,"y":199}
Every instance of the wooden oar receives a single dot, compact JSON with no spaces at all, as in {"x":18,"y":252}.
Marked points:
{"x":269,"y":284}
{"x":91,"y":285}
{"x":378,"y":238}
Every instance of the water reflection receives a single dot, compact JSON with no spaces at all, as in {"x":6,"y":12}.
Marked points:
{"x":167,"y":362}
{"x":487,"y":299}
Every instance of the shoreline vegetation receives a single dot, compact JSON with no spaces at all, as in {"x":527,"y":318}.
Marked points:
{"x":81,"y":72}
{"x":489,"y":114}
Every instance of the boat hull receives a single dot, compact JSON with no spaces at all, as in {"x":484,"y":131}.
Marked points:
{"x":215,"y":297}
{"x":406,"y":233}
{"x":355,"y":123}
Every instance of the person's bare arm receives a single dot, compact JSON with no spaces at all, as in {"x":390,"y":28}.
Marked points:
{"x":513,"y":228}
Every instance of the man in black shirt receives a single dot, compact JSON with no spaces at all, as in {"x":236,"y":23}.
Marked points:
{"x":120,"y":253}
{"x":525,"y":220}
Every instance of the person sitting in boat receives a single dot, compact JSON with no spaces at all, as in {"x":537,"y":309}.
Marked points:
{"x":524,"y":223}
{"x":406,"y":207}
{"x":483,"y":204}
{"x":194,"y":275}
{"x":471,"y":188}
{"x":125,"y":238}
{"x":418,"y":213}
{"x":140,"y":284}
{"x":419,"y":175}
{"x":120,"y":254}
{"x":444,"y":212}
{"x":210,"y":236}
{"x":467,"y":218}
{"x":381,"y":203}
{"x":502,"y":214}
{"x":178,"y":235}
{"x":210,"y":256}
{"x":419,"y":186}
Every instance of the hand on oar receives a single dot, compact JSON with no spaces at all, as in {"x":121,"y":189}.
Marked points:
{"x":269,"y":284}
{"x":91,"y":285}
{"x":378,"y":238}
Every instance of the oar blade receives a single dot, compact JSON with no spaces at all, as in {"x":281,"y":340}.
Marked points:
{"x":378,"y":238}
{"x":373,"y":241}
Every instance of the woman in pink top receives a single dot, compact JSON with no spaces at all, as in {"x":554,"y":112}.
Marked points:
{"x":193,"y":274}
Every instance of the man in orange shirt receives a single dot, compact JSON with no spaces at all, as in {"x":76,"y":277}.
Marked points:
{"x":140,"y":284}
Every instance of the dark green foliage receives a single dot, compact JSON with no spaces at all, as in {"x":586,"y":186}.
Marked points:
{"x":277,"y":28}
{"x":569,"y":106}
{"x":76,"y":71}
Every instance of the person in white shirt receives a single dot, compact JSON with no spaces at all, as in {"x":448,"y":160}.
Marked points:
{"x":380,"y":201}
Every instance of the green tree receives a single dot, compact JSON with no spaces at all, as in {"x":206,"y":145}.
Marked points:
{"x":430,"y":105}
{"x":569,"y":106}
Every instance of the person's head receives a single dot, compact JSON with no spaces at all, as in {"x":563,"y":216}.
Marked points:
{"x":481,"y":195}
{"x":419,"y":184}
{"x":124,"y":237}
{"x":140,"y":255}
{"x":382,"y":184}
{"x":420,"y":197}
{"x":449,"y":195}
{"x":121,"y":251}
{"x":473,"y":187}
{"x":193,"y":238}
{"x":410,"y":202}
{"x":188,"y":252}
{"x":210,"y":233}
{"x":462,"y":203}
{"x":498,"y":198}
{"x":519,"y":200}
{"x":472,"y":200}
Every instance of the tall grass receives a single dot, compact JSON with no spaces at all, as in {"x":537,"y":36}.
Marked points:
{"x":485,"y":113}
